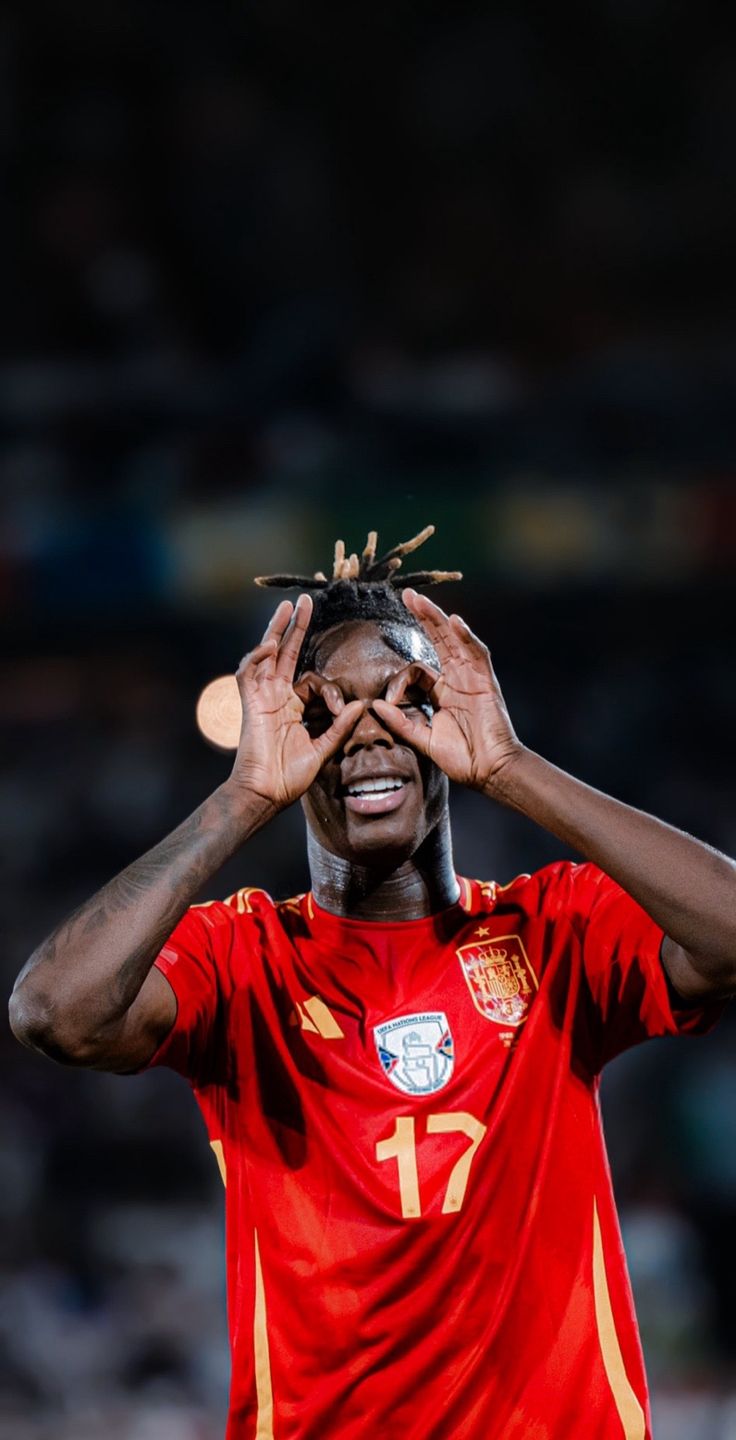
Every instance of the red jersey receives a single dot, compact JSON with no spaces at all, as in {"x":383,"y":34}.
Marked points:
{"x":421,"y":1234}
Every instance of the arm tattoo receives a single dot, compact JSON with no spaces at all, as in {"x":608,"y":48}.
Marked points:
{"x":101,"y":954}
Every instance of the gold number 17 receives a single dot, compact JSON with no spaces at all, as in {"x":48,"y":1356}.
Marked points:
{"x":401,"y":1147}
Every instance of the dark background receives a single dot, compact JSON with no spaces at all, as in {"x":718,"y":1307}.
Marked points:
{"x":273,"y":273}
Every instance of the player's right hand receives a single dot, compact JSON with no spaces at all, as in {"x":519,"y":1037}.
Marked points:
{"x":277,"y":758}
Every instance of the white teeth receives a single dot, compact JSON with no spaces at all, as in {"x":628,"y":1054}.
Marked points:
{"x":371,"y":787}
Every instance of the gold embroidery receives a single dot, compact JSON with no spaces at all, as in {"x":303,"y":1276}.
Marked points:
{"x":500,"y":978}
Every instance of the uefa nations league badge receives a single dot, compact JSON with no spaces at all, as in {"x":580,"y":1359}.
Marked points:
{"x":416,"y":1052}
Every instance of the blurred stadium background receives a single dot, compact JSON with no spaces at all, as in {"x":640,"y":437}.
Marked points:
{"x":274,"y":273}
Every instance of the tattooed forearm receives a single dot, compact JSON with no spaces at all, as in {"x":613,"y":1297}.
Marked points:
{"x":84,"y":977}
{"x":162,"y":881}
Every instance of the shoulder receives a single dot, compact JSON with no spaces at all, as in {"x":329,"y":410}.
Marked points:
{"x":562,"y":888}
{"x":248,"y":903}
{"x":249,"y":900}
{"x":223,"y":936}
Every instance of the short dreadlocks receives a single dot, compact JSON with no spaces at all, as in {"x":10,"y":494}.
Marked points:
{"x":364,"y":588}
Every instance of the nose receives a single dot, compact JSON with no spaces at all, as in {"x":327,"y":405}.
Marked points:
{"x":368,"y":731}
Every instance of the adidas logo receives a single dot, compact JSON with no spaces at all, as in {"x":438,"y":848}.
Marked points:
{"x":313,"y":1014}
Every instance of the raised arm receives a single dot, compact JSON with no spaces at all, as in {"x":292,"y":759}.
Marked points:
{"x":89,"y":995}
{"x":688,"y":888}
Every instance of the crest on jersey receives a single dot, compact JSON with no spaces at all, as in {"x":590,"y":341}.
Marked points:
{"x":499,"y":978}
{"x":416,"y":1052}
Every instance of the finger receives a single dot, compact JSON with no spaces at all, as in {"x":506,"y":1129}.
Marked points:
{"x":326,"y":745}
{"x":307,"y":686}
{"x":279,"y":621}
{"x":422,"y":605}
{"x":249,"y":664}
{"x":416,"y":675}
{"x":450,"y":634}
{"x":464,"y":633}
{"x":434,"y":620}
{"x":416,"y":733}
{"x":275,"y":629}
{"x":311,"y":686}
{"x":333,"y":698}
{"x":321,"y":700}
{"x":293,"y":638}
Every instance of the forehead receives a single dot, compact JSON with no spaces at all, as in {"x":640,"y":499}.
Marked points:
{"x":357,"y":652}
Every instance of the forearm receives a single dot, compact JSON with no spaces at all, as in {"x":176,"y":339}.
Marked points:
{"x":89,"y":971}
{"x":688,"y":888}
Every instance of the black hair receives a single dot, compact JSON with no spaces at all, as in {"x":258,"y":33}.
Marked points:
{"x":364,"y":588}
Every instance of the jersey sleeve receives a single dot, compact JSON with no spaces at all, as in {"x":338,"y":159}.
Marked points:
{"x":624,"y":989}
{"x":195,"y":961}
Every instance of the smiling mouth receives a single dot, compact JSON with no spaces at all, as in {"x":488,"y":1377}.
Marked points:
{"x":375,"y":797}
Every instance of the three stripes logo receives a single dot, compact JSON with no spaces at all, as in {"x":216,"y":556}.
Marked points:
{"x":313,"y":1015}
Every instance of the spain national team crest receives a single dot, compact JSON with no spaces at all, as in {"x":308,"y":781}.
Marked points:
{"x":416,"y":1052}
{"x":500,"y":978}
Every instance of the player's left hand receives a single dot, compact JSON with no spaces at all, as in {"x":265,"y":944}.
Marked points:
{"x":470,"y":736}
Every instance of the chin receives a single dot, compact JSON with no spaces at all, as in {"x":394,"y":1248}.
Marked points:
{"x":379,"y":842}
{"x":395,"y":837}
{"x":389,"y":839}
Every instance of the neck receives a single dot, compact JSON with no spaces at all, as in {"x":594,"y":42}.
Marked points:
{"x":395,"y":890}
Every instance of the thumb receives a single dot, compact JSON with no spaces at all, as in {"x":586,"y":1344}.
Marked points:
{"x":416,"y":733}
{"x":325,"y":745}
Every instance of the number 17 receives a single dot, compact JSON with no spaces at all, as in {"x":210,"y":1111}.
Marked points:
{"x":401,"y":1147}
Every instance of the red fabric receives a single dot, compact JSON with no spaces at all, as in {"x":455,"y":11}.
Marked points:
{"x":477,"y":1323}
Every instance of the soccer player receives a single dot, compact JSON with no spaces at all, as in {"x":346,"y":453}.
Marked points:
{"x":399,"y":1070}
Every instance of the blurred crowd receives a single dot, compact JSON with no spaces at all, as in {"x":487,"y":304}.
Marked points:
{"x":274,"y":274}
